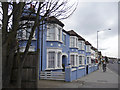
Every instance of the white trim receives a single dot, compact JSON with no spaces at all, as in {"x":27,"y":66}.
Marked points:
{"x":65,"y":54}
{"x":73,"y":69}
{"x":64,"y":33}
{"x":56,"y":27}
{"x":75,"y":42}
{"x":53,"y":48}
{"x":56,"y":50}
{"x":81,"y":67}
{"x":31,"y":49}
{"x":82,"y":45}
{"x":75,"y":59}
{"x":74,"y":53}
{"x":53,"y":68}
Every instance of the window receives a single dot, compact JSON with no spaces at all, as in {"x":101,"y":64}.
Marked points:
{"x":31,"y":49}
{"x":73,"y":41}
{"x":72,"y":60}
{"x":54,"y":59}
{"x":54,"y":32}
{"x":87,"y":60}
{"x":59,"y":56}
{"x":80,"y":59}
{"x":81,"y":45}
{"x":28,"y":33}
{"x":25,"y":32}
{"x":88,"y":48}
{"x":76,"y":42}
{"x":64,"y":39}
{"x":76,"y":59}
{"x":59,"y":34}
{"x":51,"y":59}
{"x":19,"y":35}
{"x":51,"y":34}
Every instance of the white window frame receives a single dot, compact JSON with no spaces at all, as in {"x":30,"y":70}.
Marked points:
{"x":51,"y":61}
{"x":76,"y":62}
{"x":88,"y":60}
{"x":64,"y":39}
{"x":57,"y":34}
{"x":56,"y":58}
{"x":83,"y":59}
{"x":88,"y":48}
{"x":24,"y":32}
{"x":81,"y":45}
{"x":73,"y":42}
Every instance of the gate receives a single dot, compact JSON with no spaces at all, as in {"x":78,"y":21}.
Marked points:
{"x":29,"y":71}
{"x":52,"y":75}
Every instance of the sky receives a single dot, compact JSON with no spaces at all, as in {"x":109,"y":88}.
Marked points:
{"x":93,"y":16}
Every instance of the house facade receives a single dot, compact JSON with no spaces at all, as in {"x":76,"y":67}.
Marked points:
{"x":60,"y":50}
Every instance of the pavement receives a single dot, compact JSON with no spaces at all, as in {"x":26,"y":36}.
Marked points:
{"x":96,"y":79}
{"x":0,"y":59}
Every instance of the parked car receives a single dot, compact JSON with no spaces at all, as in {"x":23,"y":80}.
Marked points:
{"x":118,"y":61}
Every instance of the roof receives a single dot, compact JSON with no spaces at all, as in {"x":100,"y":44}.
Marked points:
{"x":53,"y":19}
{"x":93,"y":48}
{"x":73,"y":33}
{"x":87,"y":43}
{"x":65,"y":31}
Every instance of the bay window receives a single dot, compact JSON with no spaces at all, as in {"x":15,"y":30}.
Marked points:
{"x":81,"y":45}
{"x":80,"y":59}
{"x":54,"y":59}
{"x":73,"y":41}
{"x":24,"y":33}
{"x":54,"y":32}
{"x":88,"y":48}
{"x":88,"y":60}
{"x":74,"y":59}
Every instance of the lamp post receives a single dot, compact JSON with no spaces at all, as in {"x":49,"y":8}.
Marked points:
{"x":97,"y":39}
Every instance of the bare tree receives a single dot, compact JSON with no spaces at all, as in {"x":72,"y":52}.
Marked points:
{"x":11,"y":14}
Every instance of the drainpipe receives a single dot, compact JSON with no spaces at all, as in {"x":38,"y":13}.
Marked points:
{"x":41,"y":45}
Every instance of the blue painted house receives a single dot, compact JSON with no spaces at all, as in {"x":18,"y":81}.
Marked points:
{"x":60,"y":50}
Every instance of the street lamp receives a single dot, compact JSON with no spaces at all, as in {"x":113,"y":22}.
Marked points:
{"x":97,"y":39}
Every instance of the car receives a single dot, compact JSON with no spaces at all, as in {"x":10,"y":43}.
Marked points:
{"x":118,"y":61}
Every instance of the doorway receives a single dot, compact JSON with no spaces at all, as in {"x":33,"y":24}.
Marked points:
{"x":64,"y":62}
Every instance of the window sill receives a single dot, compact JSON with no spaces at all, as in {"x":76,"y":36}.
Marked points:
{"x":88,"y":51}
{"x":81,"y":67}
{"x":28,"y":39}
{"x":74,"y":47}
{"x":54,"y":41}
{"x":81,"y":49}
{"x":74,"y":69}
{"x":74,"y":66}
{"x":53,"y":68}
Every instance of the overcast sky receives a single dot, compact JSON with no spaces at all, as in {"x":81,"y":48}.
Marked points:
{"x":93,"y":16}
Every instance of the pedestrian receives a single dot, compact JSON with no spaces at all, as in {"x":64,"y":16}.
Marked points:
{"x":104,"y":66}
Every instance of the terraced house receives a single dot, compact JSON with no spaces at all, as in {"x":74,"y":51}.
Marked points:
{"x":64,"y":55}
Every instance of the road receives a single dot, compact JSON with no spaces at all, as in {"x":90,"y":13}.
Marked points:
{"x":113,"y":67}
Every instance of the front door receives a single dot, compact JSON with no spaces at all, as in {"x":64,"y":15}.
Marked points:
{"x":87,"y":69}
{"x":64,"y":62}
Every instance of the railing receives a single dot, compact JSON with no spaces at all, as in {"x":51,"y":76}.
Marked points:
{"x":52,"y":75}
